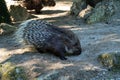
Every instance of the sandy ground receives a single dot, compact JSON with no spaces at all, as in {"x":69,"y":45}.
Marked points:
{"x":95,"y":39}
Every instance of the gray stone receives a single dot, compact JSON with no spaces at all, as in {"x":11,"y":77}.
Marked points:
{"x":77,"y":6}
{"x":6,"y":29}
{"x":102,"y":12}
{"x":18,"y":13}
{"x":110,"y":59}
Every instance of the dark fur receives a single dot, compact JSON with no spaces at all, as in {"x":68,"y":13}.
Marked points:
{"x":37,"y":4}
{"x":93,"y":2}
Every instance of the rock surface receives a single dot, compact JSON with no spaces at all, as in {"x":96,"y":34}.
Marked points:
{"x":102,"y":11}
{"x":77,"y":6}
{"x":6,"y":29}
{"x":8,"y":71}
{"x":18,"y":13}
{"x":110,"y":59}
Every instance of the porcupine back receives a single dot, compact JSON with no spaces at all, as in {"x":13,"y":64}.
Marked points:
{"x":47,"y":37}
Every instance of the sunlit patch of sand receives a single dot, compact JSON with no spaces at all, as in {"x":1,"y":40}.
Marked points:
{"x":59,"y":65}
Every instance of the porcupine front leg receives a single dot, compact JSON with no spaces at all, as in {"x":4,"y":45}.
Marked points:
{"x":60,"y":54}
{"x":57,"y":49}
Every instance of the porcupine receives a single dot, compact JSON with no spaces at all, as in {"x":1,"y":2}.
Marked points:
{"x":46,"y":37}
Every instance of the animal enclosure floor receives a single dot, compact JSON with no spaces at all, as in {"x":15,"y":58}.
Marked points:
{"x":95,"y":39}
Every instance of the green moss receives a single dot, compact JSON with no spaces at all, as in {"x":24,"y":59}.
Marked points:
{"x":9,"y":71}
{"x":106,"y":59}
{"x":111,"y":60}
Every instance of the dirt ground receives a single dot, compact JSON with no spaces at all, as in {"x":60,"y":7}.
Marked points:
{"x":95,"y":39}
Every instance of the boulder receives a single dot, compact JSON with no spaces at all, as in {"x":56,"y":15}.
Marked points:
{"x":102,"y":12}
{"x":77,"y":7}
{"x":18,"y":13}
{"x":6,"y":29}
{"x":110,"y":60}
{"x":8,"y":71}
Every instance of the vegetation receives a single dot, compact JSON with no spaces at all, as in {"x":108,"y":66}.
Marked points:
{"x":110,"y":60}
{"x":8,"y":71}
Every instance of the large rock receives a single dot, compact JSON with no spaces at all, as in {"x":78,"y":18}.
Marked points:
{"x":8,"y":71}
{"x":102,"y":12}
{"x":115,"y":19}
{"x":18,"y":13}
{"x":110,"y":60}
{"x":77,"y":6}
{"x":6,"y":29}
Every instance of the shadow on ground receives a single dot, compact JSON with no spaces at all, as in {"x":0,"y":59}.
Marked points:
{"x":47,"y":12}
